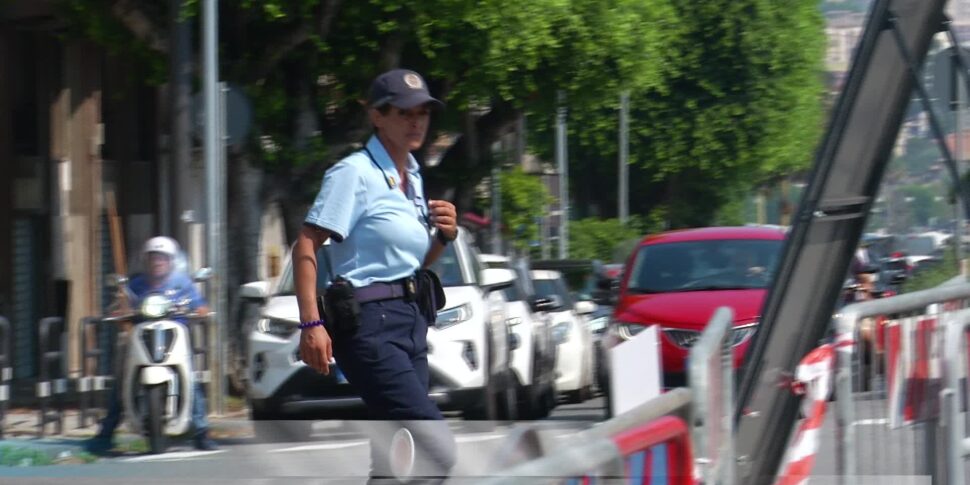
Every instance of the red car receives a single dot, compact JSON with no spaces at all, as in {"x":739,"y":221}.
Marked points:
{"x":677,"y":279}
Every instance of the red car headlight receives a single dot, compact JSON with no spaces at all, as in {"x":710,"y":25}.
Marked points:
{"x":681,"y":337}
{"x":742,"y":333}
{"x":687,"y":338}
{"x":625,"y":331}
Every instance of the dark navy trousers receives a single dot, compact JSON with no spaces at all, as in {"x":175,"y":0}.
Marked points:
{"x":386,"y":360}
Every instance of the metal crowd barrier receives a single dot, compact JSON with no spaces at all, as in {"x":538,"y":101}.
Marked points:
{"x":96,"y":370}
{"x":6,"y":370}
{"x":52,"y":381}
{"x":199,"y":337}
{"x":954,"y":396}
{"x":625,"y":447}
{"x":711,"y":368}
{"x":888,"y":383}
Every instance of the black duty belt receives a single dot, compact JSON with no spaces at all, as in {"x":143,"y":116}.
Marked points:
{"x":403,"y":288}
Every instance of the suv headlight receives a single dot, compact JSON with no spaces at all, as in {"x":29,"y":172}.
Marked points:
{"x":155,"y":306}
{"x":277,"y":327}
{"x":560,"y":332}
{"x":599,"y":324}
{"x":453,"y":316}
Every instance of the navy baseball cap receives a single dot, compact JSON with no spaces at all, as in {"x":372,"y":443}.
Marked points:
{"x":402,"y":88}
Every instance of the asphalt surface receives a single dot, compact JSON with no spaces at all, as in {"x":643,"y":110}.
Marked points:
{"x":335,"y":452}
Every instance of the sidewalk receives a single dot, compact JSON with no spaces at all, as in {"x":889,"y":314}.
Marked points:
{"x":21,"y":437}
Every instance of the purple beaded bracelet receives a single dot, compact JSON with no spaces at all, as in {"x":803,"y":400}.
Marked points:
{"x":305,"y":325}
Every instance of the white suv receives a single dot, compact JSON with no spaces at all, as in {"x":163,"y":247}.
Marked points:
{"x":570,"y":330}
{"x":468,"y":351}
{"x":534,"y":351}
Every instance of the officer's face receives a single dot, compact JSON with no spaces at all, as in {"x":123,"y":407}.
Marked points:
{"x":405,"y":128}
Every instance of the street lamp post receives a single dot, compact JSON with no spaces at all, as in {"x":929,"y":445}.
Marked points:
{"x":215,"y":200}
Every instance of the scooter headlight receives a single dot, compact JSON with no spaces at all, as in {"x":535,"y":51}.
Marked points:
{"x":155,"y":306}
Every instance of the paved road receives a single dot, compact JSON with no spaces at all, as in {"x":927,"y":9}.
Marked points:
{"x":337,"y":452}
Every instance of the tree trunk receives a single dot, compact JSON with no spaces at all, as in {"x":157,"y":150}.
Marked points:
{"x":245,"y":219}
{"x":470,"y":159}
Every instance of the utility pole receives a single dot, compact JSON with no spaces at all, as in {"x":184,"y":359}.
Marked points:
{"x":957,"y":98}
{"x":496,"y":210}
{"x":184,"y":188}
{"x":624,"y":192}
{"x":563,"y":167}
{"x":215,"y":203}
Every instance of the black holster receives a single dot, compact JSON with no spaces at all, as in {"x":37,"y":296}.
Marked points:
{"x":430,"y":295}
{"x":340,"y":307}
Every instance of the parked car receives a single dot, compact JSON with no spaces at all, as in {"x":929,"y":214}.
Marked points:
{"x":677,"y":279}
{"x":534,"y":352}
{"x":571,"y":332}
{"x":602,"y":285}
{"x":468,"y":352}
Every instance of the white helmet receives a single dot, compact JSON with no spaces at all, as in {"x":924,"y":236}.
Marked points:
{"x":161,"y":244}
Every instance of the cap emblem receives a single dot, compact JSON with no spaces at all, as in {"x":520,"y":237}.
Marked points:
{"x":412,"y":80}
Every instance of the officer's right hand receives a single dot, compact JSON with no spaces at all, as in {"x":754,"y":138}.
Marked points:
{"x":316,"y":349}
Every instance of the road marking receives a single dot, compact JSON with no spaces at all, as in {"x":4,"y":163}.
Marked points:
{"x":871,"y":422}
{"x":323,"y":446}
{"x":479,"y":437}
{"x":176,"y":455}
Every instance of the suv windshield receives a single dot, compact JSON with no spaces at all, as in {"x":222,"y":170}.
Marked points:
{"x":547,"y":288}
{"x":448,"y":267}
{"x":704,"y":265}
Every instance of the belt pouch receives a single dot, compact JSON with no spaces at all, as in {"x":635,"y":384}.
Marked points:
{"x":341,"y":307}
{"x":430,"y":294}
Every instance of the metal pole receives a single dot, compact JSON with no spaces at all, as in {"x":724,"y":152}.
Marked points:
{"x":624,"y":195}
{"x":563,"y":167}
{"x":545,"y":220}
{"x":180,"y":102}
{"x":956,"y":107}
{"x":213,"y":146}
{"x":496,"y":210}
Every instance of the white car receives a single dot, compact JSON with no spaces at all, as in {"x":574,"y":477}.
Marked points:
{"x":533,"y":352}
{"x":468,"y":352}
{"x":570,"y":330}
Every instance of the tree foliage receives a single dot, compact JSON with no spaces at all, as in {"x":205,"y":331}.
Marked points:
{"x":739,"y":104}
{"x":593,"y":238}
{"x":525,"y":200}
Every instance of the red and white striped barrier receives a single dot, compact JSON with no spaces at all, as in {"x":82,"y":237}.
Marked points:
{"x":814,"y":376}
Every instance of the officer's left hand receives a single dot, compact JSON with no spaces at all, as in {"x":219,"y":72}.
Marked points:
{"x":444,"y":217}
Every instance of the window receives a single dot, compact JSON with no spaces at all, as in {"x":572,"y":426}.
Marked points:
{"x":705,"y":265}
{"x":556,"y":287}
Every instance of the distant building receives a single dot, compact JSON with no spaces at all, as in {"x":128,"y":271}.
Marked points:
{"x":842,"y":31}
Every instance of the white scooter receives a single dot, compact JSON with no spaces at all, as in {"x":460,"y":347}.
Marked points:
{"x":158,"y":387}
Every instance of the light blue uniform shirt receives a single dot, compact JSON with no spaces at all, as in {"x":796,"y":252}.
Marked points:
{"x":381,"y":233}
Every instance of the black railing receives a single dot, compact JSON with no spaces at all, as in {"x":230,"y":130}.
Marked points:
{"x":97,"y":364}
{"x":6,"y":370}
{"x":52,"y":382}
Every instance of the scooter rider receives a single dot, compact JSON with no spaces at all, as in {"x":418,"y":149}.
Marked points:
{"x":159,"y":257}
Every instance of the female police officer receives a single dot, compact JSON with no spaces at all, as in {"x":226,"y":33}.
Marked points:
{"x":372,"y":204}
